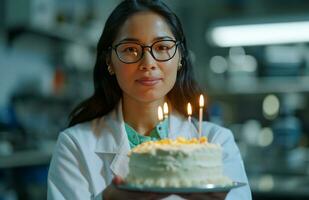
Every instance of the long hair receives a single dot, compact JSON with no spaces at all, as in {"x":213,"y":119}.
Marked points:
{"x":107,"y":92}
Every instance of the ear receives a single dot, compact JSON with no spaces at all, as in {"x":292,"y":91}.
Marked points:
{"x":180,"y":58}
{"x":108,"y":60}
{"x":180,"y":52}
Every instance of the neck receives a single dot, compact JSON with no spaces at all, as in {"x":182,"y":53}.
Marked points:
{"x":143,"y":117}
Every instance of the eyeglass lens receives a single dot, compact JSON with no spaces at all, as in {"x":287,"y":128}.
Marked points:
{"x":131,"y":52}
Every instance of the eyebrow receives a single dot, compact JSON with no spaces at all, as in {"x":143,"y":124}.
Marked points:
{"x":136,"y":40}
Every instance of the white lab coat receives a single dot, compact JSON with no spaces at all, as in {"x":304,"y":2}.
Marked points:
{"x":88,"y":155}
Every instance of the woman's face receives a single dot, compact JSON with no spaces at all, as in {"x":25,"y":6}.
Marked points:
{"x":147,"y":80}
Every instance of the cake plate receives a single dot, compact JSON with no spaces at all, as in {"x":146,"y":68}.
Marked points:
{"x":174,"y":190}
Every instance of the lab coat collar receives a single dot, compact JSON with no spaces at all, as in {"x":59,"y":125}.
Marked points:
{"x":111,"y":128}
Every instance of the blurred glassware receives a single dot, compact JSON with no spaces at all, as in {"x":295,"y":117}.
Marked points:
{"x":6,"y":190}
{"x":78,"y":56}
{"x":6,"y":147}
{"x":271,"y":106}
{"x":41,"y":117}
{"x":216,"y":113}
{"x":283,"y":60}
{"x":250,"y":132}
{"x":39,"y":13}
{"x":241,"y":65}
{"x":287,"y":128}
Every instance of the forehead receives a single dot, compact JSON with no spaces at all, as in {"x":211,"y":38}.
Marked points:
{"x":145,"y":27}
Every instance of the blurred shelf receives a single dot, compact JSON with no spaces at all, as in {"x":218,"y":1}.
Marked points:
{"x":25,"y":158}
{"x":280,"y":186}
{"x":62,"y":32}
{"x":265,"y":85}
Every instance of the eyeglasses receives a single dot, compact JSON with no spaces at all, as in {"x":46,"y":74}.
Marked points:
{"x":132,"y":52}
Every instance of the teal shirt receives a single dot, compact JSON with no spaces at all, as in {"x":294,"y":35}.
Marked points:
{"x":159,"y":132}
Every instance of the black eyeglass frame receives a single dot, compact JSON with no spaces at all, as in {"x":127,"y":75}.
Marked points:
{"x":143,"y":47}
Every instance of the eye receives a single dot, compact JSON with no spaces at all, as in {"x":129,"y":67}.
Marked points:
{"x":128,"y":49}
{"x":164,"y":45}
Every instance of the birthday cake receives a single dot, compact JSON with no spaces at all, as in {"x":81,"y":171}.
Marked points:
{"x":176,"y":163}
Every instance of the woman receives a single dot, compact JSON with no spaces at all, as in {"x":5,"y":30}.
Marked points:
{"x":142,"y":61}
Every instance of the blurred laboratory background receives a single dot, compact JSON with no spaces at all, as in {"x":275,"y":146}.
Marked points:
{"x":251,"y":57}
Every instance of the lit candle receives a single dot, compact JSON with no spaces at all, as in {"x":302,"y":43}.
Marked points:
{"x":160,"y":114}
{"x":165,"y":110}
{"x":189,"y":109}
{"x":201,"y":104}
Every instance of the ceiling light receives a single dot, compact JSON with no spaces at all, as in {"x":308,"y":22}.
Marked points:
{"x":259,"y":34}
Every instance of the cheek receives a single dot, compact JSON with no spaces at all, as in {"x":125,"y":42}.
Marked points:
{"x":124,"y":76}
{"x":122,"y":73}
{"x":171,"y":74}
{"x":173,"y":67}
{"x":173,"y":77}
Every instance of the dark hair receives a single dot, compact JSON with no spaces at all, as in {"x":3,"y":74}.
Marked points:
{"x":107,"y":92}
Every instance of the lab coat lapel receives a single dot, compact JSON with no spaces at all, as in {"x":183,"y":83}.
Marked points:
{"x":113,"y":140}
{"x":119,"y":165}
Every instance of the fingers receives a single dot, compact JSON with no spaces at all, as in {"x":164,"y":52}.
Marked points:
{"x":218,"y":195}
{"x":156,"y":196}
{"x":117,"y":180}
{"x":205,"y":196}
{"x":138,"y":196}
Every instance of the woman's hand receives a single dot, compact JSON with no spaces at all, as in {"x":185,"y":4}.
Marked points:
{"x":205,"y":196}
{"x":112,"y":193}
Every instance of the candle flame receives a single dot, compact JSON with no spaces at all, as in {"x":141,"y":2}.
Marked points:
{"x":165,"y":108}
{"x":189,"y":109}
{"x":201,"y":101}
{"x":160,"y":113}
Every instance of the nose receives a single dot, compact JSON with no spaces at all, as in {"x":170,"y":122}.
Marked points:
{"x":147,"y":62}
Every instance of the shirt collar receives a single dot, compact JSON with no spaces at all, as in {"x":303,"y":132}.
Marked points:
{"x":159,"y":132}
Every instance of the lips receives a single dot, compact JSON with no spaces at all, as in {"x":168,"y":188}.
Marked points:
{"x":149,"y":81}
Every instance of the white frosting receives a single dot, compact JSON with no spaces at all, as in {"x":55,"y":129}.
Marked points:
{"x":176,"y":165}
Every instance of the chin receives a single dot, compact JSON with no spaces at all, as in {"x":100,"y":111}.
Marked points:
{"x":149,"y":98}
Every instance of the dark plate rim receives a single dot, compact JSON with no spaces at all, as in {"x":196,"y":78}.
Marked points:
{"x":201,"y":189}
